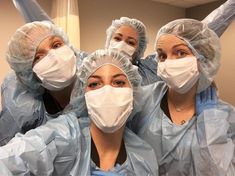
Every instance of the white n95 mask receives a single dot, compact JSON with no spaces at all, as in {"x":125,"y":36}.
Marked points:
{"x":179,"y":74}
{"x":109,"y":107}
{"x":122,"y":47}
{"x":57,"y":69}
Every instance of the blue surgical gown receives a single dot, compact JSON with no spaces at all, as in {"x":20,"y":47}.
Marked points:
{"x":21,"y":109}
{"x":63,"y":147}
{"x":202,"y":146}
{"x":147,"y":69}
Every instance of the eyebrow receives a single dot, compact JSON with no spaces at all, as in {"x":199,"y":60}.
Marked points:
{"x":129,"y":37}
{"x":53,"y":37}
{"x":39,"y":50}
{"x":95,"y":76}
{"x":177,"y":45}
{"x":99,"y":77}
{"x":120,"y":74}
{"x":133,"y":39}
{"x":118,"y":34}
{"x":180,"y":45}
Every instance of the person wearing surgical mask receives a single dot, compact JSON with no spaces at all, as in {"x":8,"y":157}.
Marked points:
{"x":187,"y":142}
{"x":98,"y":145}
{"x":14,"y":98}
{"x":44,"y":65}
{"x":129,"y":35}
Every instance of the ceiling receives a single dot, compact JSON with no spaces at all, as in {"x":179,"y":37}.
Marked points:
{"x":185,"y":3}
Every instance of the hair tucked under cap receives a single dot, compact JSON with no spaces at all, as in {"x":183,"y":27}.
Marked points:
{"x":98,"y":59}
{"x":135,"y":24}
{"x":22,"y":49}
{"x":203,"y":42}
{"x":103,"y":57}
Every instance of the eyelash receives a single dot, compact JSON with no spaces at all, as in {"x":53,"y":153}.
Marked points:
{"x":56,"y":45}
{"x":37,"y":58}
{"x":115,"y":83}
{"x":162,"y":56}
{"x":181,"y":52}
{"x":117,"y":38}
{"x":119,"y":83}
{"x":131,"y":43}
{"x":93,"y":84}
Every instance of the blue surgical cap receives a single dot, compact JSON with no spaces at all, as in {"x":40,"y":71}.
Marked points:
{"x":104,"y":57}
{"x":98,"y":59}
{"x":203,"y":42}
{"x":135,"y":24}
{"x":22,"y":49}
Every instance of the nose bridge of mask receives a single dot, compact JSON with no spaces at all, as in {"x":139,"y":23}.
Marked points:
{"x":57,"y":69}
{"x":45,"y":65}
{"x":109,"y":107}
{"x":179,"y":74}
{"x":178,"y":67}
{"x":176,"y":64}
{"x":62,"y":51}
{"x":62,"y":58}
{"x":122,"y":46}
{"x":109,"y":95}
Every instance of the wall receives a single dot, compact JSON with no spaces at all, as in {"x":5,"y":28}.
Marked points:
{"x":225,"y":77}
{"x":10,"y":21}
{"x":96,"y":17}
{"x":201,"y":11}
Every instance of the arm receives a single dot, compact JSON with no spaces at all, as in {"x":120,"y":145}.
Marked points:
{"x":5,"y":171}
{"x":221,"y":18}
{"x":206,"y":99}
{"x":148,"y":99}
{"x":31,"y":10}
{"x":21,"y":110}
{"x":215,"y":133}
{"x":38,"y":151}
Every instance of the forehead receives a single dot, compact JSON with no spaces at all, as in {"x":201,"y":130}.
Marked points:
{"x":127,"y":31}
{"x":108,"y":70}
{"x":169,"y":41}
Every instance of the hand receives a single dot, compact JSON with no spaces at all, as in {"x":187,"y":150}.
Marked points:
{"x":103,"y":173}
{"x":206,"y":99}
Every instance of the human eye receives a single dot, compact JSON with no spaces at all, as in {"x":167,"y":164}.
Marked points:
{"x":57,"y":44}
{"x":117,"y":38}
{"x":181,"y":53}
{"x":38,"y":57}
{"x":162,"y":56}
{"x":131,"y":42}
{"x":93,"y":85}
{"x":120,"y":81}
